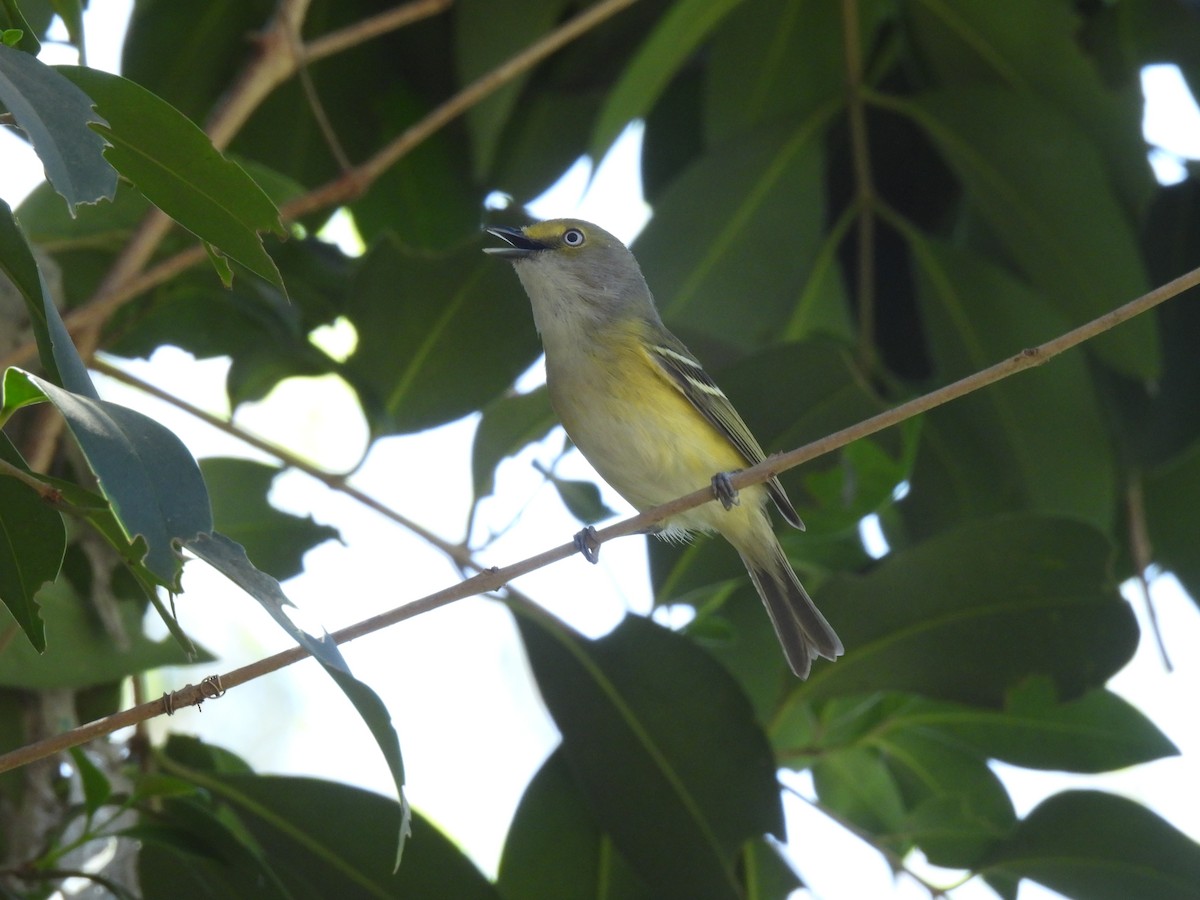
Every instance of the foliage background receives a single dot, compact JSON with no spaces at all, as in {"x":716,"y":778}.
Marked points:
{"x":845,"y":229}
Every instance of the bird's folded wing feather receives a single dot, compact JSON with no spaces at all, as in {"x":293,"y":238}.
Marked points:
{"x":697,"y":386}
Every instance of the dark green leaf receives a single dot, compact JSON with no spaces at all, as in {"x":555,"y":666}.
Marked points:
{"x":12,"y":22}
{"x":426,"y":199}
{"x":32,"y":542}
{"x":554,"y":847}
{"x":509,"y":424}
{"x":675,"y":37}
{"x":1172,"y":510}
{"x":582,"y":499}
{"x":775,"y":34}
{"x":487,"y":34}
{"x":56,"y":115}
{"x":18,"y":265}
{"x":238,"y":489}
{"x":714,"y":243}
{"x":956,"y":806}
{"x":56,"y":351}
{"x":1094,"y":846}
{"x":437,"y":337}
{"x":976,"y":610}
{"x":1012,"y":445}
{"x":696,"y":776}
{"x":175,"y":165}
{"x":96,"y":786}
{"x":1099,"y":732}
{"x":1034,"y":49}
{"x":144,"y":470}
{"x":1041,"y":188}
{"x":208,"y":44}
{"x":311,"y":839}
{"x":79,"y":651}
{"x":857,"y":784}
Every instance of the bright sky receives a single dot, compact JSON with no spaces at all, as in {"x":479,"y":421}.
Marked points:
{"x":471,"y":725}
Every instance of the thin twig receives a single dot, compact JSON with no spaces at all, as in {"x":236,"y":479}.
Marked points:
{"x":491,"y":580}
{"x":375,"y":26}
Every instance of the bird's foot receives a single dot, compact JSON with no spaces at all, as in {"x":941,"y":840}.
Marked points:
{"x":723,"y":490}
{"x":587,"y":542}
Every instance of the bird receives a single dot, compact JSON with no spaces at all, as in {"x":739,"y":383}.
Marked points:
{"x":642,"y":410}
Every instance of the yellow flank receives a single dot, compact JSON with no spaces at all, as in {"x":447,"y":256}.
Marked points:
{"x":644,"y":437}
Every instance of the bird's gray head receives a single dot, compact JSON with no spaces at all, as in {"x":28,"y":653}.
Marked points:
{"x":574,"y":270}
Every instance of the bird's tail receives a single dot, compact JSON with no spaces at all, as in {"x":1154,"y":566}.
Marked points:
{"x":802,"y":630}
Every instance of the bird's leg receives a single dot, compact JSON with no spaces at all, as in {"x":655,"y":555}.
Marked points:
{"x":587,"y":542}
{"x":723,"y":489}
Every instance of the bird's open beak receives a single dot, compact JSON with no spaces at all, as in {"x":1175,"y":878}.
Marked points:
{"x":520,"y":245}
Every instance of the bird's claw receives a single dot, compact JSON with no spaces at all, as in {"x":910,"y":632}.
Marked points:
{"x":587,"y":542}
{"x":723,"y":490}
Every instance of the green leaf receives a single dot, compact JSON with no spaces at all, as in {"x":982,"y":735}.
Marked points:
{"x":427,"y":198}
{"x":96,"y":786}
{"x":695,"y":775}
{"x":582,"y":499}
{"x":857,"y":784}
{"x":1172,"y":508}
{"x":487,"y":34}
{"x":437,"y":337}
{"x":173,"y":163}
{"x":1040,"y":51}
{"x":674,"y":39}
{"x":32,"y":542}
{"x":80,"y":652}
{"x":305,"y":838}
{"x":56,"y":351}
{"x":144,"y":470}
{"x":278,"y":541}
{"x":978,"y":609}
{"x":1094,"y":846}
{"x":1041,"y":189}
{"x":56,"y":115}
{"x":957,"y":807}
{"x":1009,"y":446}
{"x":715,"y":237}
{"x":554,"y":847}
{"x":775,"y":34}
{"x":17,"y":31}
{"x":1099,"y":732}
{"x":509,"y":424}
{"x":18,"y":265}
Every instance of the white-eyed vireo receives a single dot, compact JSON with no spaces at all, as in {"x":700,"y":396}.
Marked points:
{"x":643,"y":411}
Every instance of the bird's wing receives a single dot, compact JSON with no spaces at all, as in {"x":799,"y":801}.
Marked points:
{"x":693,"y":382}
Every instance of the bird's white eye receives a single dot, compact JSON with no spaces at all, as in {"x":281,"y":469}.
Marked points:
{"x":573,"y":237}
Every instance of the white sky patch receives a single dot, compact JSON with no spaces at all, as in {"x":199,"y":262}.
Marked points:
{"x":1171,"y":122}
